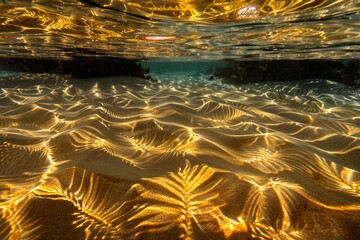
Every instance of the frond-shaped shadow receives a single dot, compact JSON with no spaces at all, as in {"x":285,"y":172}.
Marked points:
{"x":97,"y":200}
{"x":267,"y":160}
{"x":185,"y":204}
{"x":279,"y":209}
{"x":222,"y":113}
{"x":271,"y":201}
{"x":22,"y":167}
{"x":334,"y":177}
{"x":154,"y":142}
{"x":15,"y":222}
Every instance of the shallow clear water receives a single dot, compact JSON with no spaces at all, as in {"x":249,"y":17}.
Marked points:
{"x":194,"y":151}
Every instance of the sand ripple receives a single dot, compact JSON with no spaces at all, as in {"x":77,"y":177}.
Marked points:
{"x":177,"y":158}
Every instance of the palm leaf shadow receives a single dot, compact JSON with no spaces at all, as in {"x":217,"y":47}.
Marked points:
{"x":97,"y":199}
{"x":187,"y":203}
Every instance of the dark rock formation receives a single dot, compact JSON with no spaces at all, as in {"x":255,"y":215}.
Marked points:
{"x":78,"y":67}
{"x":346,"y":72}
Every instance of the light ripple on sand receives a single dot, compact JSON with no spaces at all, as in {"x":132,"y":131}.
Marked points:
{"x":273,"y":155}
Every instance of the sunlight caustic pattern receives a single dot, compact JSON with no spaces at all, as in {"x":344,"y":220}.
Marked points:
{"x":186,"y":158}
{"x":202,"y":10}
{"x":216,"y":29}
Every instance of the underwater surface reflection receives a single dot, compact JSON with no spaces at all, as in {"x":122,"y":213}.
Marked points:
{"x":186,"y":29}
{"x":180,"y":157}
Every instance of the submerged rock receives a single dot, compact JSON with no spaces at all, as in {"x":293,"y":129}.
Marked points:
{"x":345,"y":72}
{"x":78,"y":67}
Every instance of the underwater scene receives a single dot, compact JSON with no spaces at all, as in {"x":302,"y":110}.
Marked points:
{"x":179,"y":119}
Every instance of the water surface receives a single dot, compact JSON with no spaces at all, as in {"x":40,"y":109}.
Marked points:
{"x":181,"y":29}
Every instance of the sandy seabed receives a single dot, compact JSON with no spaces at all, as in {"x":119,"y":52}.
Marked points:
{"x":177,"y":158}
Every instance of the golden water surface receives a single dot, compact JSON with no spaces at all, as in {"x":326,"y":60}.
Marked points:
{"x":195,"y":29}
{"x":177,"y":158}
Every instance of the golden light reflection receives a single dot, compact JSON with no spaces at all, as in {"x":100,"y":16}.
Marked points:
{"x":141,"y":29}
{"x":177,"y":159}
{"x":194,"y":10}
